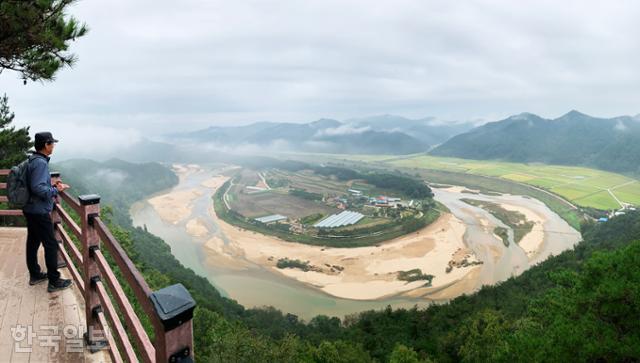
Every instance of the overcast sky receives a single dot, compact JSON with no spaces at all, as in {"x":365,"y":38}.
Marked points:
{"x":154,"y":66}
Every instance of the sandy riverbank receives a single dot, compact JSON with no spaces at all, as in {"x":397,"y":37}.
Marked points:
{"x":214,"y":255}
{"x":532,"y":242}
{"x":363,"y":273}
{"x":175,"y":206}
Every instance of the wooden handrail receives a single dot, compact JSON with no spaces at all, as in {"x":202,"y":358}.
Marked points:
{"x":71,"y":201}
{"x":11,"y":212}
{"x":66,"y":218}
{"x":139,"y":334}
{"x":172,"y":323}
{"x":133,"y":276}
{"x":121,"y":335}
{"x":75,"y":275}
{"x":3,"y":199}
{"x":68,"y":243}
{"x":101,"y":320}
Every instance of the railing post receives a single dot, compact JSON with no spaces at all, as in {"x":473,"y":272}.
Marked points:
{"x":56,"y":219}
{"x":90,"y":208}
{"x":173,"y":324}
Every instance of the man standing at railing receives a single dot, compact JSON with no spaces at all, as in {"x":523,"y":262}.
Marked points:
{"x":37,"y":213}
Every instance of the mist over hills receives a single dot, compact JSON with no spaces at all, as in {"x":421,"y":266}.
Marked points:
{"x":385,"y":134}
{"x":572,"y":139}
{"x":429,"y":130}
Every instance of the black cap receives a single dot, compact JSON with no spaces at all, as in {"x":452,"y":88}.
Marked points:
{"x":42,"y":138}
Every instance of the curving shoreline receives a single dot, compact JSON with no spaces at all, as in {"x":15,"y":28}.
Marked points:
{"x":370,"y":273}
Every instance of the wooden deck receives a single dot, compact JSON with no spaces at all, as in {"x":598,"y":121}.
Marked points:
{"x":56,"y":320}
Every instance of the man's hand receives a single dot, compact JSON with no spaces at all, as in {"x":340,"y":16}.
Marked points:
{"x":61,"y":186}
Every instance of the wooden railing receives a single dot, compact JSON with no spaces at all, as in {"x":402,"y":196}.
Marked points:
{"x":110,"y":322}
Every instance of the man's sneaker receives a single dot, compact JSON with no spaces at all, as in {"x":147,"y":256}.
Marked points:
{"x":58,"y":285}
{"x":36,"y":279}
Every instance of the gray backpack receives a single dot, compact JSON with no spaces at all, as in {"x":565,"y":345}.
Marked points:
{"x":18,"y":191}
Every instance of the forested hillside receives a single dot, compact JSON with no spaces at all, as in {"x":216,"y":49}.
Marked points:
{"x":573,"y":139}
{"x":575,"y":306}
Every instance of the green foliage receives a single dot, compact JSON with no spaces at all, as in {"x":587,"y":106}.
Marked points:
{"x":277,"y":182}
{"x":515,"y":220}
{"x":573,"y":139}
{"x":311,"y":219}
{"x":339,"y":352}
{"x":482,"y":338}
{"x":403,"y":354}
{"x":120,"y":183}
{"x":592,"y":315}
{"x":301,"y":193}
{"x":415,"y":275}
{"x":220,"y":340}
{"x":503,"y":233}
{"x":15,"y":142}
{"x":35,"y":37}
{"x":406,"y":185}
{"x":288,"y":263}
{"x":410,"y":187}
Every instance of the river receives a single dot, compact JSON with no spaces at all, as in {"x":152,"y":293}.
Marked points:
{"x":257,"y":286}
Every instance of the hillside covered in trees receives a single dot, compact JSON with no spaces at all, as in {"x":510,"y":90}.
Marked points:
{"x":573,"y":139}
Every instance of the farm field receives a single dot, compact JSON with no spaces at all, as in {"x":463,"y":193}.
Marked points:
{"x":307,"y":196}
{"x":267,"y":203}
{"x":275,"y":201}
{"x":584,"y":187}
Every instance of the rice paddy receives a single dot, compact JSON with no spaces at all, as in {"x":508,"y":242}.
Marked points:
{"x":584,"y":187}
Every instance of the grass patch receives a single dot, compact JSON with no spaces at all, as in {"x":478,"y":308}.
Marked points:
{"x":503,"y":233}
{"x":571,"y":183}
{"x":515,"y":220}
{"x":487,"y":185}
{"x":296,"y":264}
{"x":312,"y":218}
{"x":415,"y":275}
{"x":599,"y":200}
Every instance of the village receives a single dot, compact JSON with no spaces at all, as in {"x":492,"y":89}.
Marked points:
{"x":354,"y":206}
{"x":307,"y":207}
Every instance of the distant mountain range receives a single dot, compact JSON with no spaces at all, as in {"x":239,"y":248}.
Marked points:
{"x":373,"y":135}
{"x":573,"y":139}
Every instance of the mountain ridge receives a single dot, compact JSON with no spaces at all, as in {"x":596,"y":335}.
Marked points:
{"x":382,"y":134}
{"x":574,"y":138}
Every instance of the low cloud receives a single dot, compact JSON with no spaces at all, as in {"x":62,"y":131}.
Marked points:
{"x":342,"y":130}
{"x":114,"y":178}
{"x":78,"y":141}
{"x":620,"y":126}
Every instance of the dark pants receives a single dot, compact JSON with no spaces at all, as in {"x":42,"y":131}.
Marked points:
{"x":40,"y":230}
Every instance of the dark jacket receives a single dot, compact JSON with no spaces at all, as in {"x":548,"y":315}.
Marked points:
{"x":42,"y":192}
